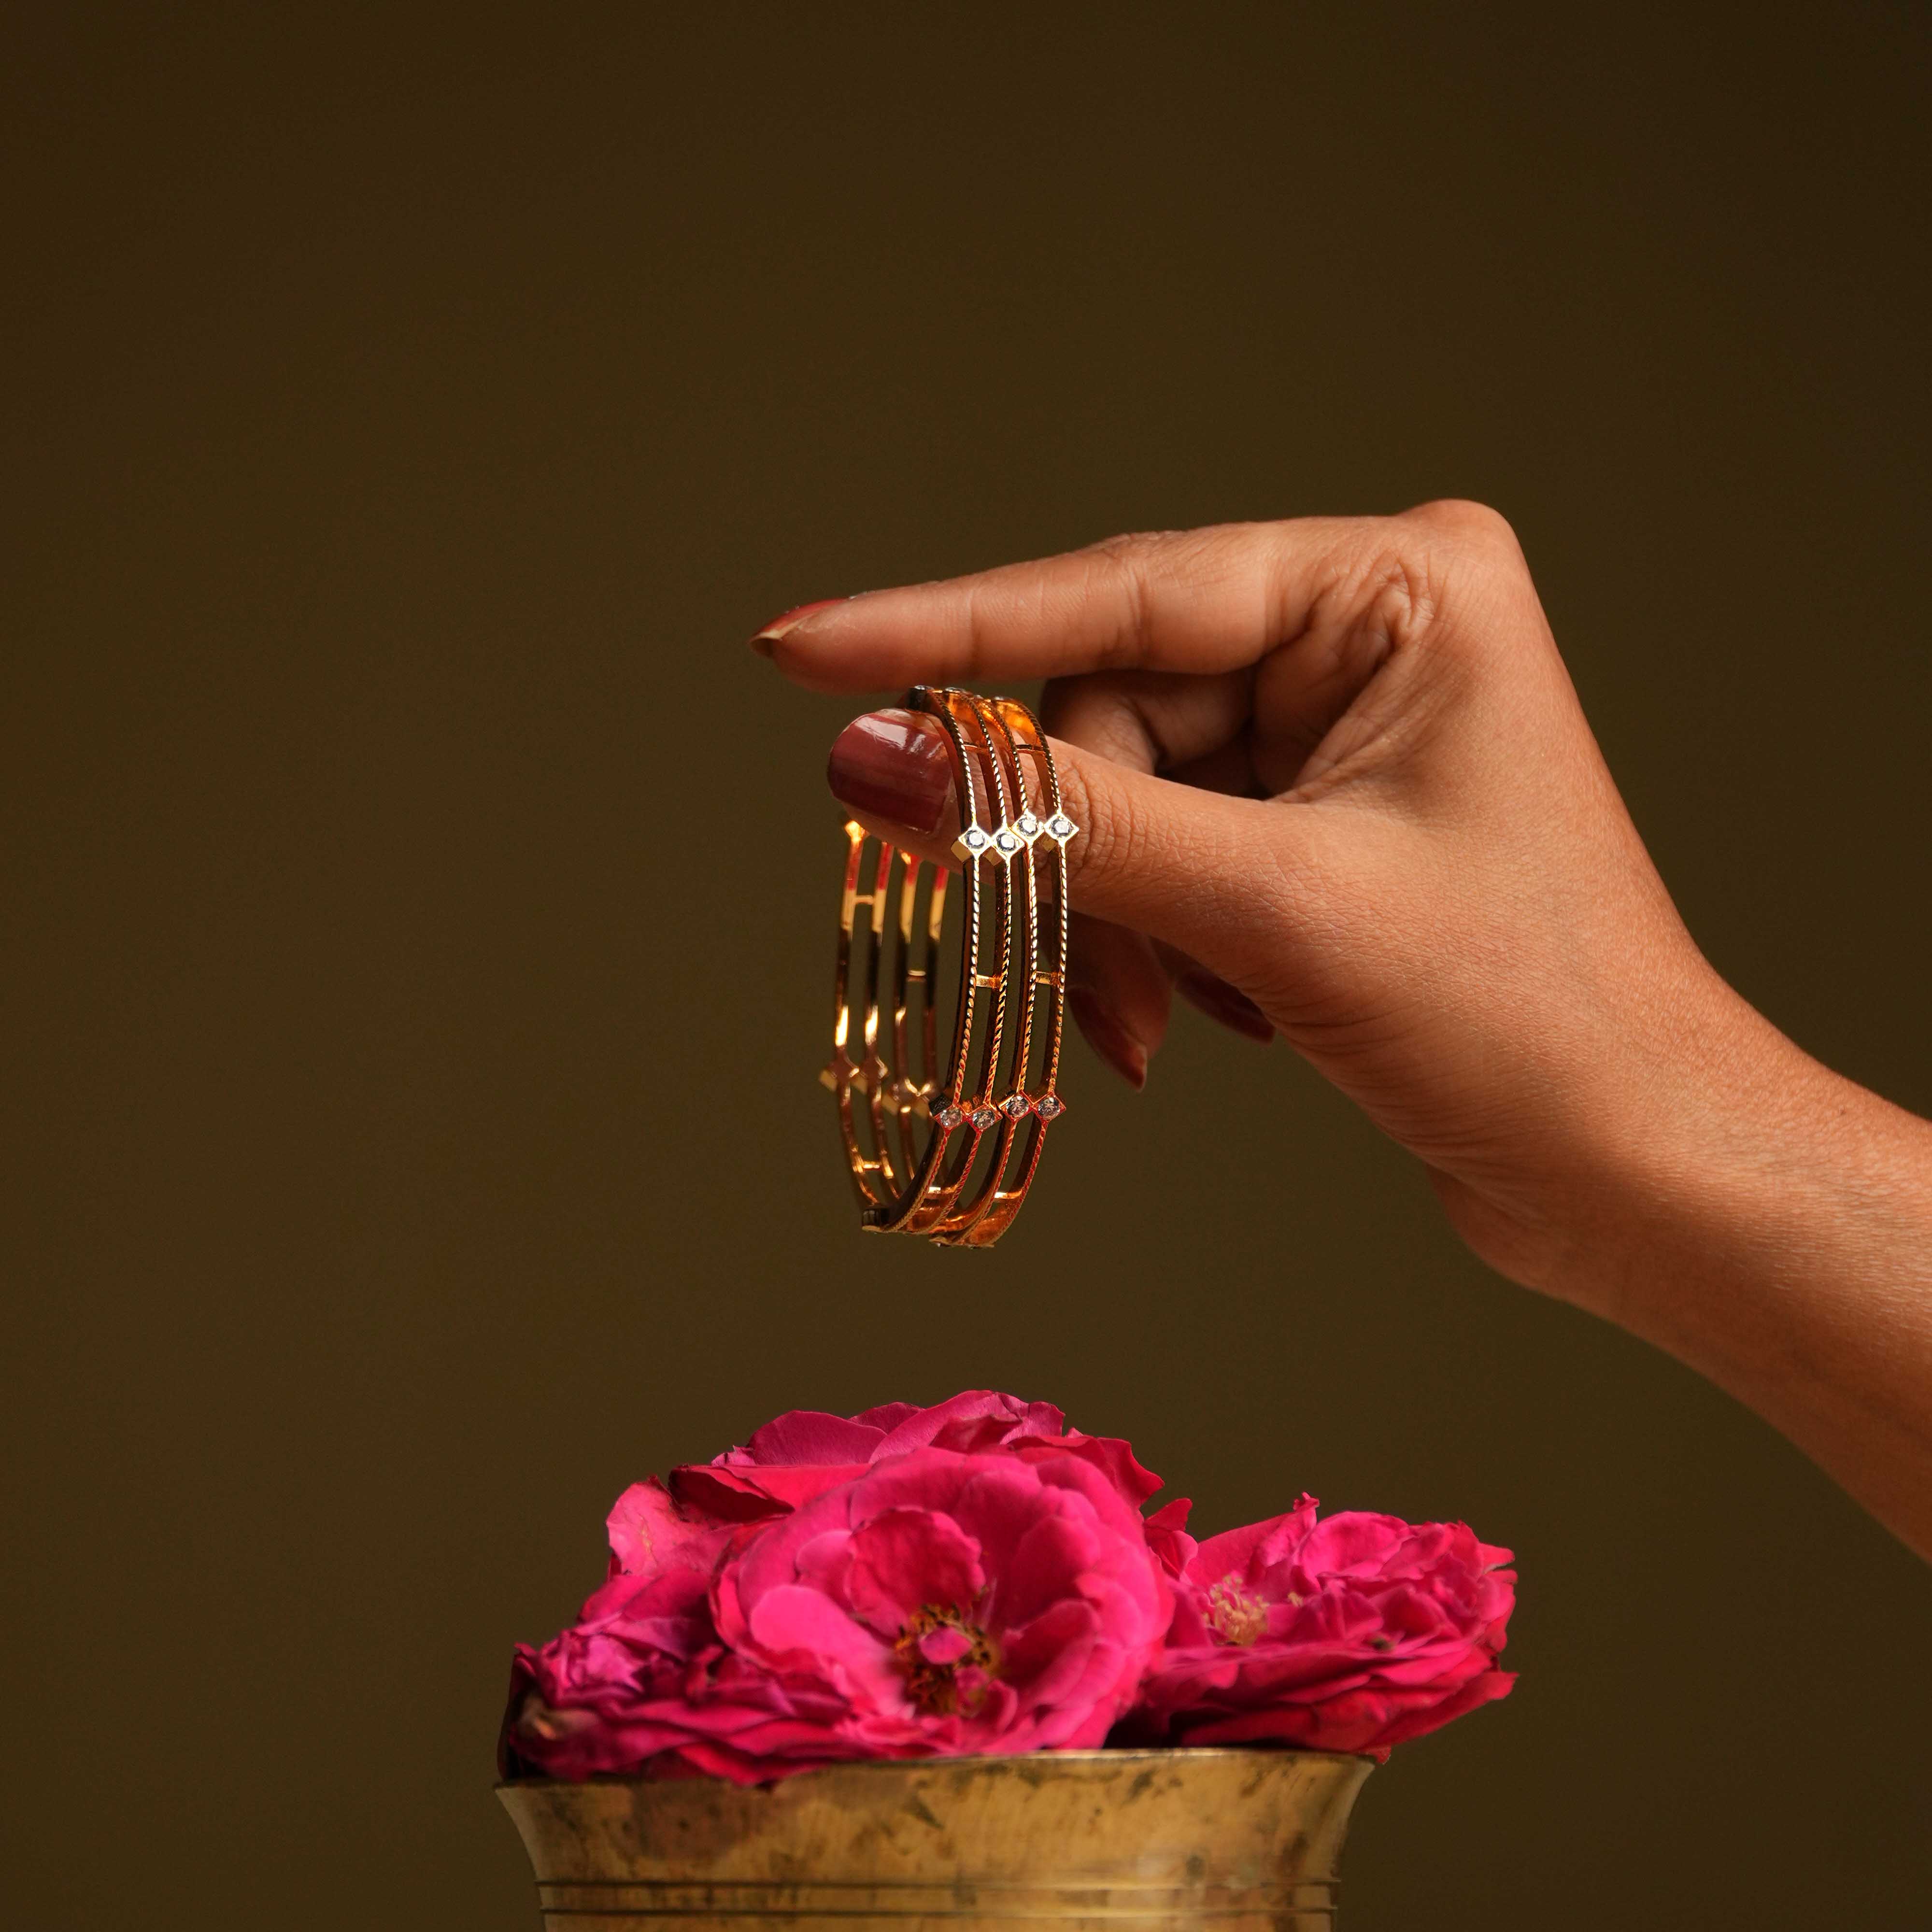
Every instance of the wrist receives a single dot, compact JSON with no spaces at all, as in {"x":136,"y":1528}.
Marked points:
{"x":1738,"y":1189}
{"x":1697,"y":1138}
{"x":1773,"y":1231}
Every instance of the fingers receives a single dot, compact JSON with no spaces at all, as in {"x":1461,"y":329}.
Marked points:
{"x":1248,"y":661}
{"x":1158,"y":721}
{"x":1119,"y":994}
{"x":894,"y":770}
{"x":1194,"y":730}
{"x":1120,"y":989}
{"x":1196,"y":601}
{"x":1188,"y":867}
{"x":1208,"y":993}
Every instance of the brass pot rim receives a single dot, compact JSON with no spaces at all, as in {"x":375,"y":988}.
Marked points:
{"x":1168,"y":1753}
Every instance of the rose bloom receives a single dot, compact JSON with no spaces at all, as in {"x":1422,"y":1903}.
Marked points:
{"x":608,"y":1694}
{"x":802,"y":1454}
{"x":1349,"y":1634}
{"x":939,"y":1603}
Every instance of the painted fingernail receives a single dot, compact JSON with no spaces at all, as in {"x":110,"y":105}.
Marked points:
{"x":894,"y":765}
{"x":1101,"y":1027}
{"x":768,"y":635}
{"x":1220,"y":1001}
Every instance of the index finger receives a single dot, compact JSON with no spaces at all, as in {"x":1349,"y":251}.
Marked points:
{"x":1203,"y":600}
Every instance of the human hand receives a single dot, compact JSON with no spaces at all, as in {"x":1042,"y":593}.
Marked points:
{"x":1334,"y":781}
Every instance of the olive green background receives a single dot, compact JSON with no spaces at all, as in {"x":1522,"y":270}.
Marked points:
{"x":418,"y":903}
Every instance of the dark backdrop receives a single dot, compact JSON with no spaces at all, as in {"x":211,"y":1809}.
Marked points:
{"x":419,"y":901}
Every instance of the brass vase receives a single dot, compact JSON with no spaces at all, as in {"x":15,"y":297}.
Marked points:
{"x":1091,"y":1839}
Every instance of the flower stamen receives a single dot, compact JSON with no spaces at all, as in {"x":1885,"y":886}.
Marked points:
{"x":1234,"y":1616}
{"x":946,"y":1662}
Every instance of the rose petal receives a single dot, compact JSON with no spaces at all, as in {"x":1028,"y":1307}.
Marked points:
{"x":807,"y":1435}
{"x":906,"y":1559}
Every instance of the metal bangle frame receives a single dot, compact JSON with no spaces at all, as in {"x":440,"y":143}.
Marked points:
{"x":1000,"y":1073}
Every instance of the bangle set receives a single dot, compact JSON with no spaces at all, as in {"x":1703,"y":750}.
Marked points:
{"x":946,"y":1147}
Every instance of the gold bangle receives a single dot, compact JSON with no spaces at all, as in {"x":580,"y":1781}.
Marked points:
{"x":1001,"y":1070}
{"x":910,"y":1195}
{"x":1031,"y":1100}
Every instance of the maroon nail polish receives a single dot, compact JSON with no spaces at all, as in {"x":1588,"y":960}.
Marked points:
{"x":1212,"y":995}
{"x":893,"y":765}
{"x":1101,"y":1028}
{"x":768,"y":635}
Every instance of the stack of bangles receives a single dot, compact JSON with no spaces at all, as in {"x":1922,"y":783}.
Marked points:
{"x":949,"y":1150}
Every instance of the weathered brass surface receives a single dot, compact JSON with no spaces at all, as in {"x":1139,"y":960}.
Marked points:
{"x":1240,"y":1840}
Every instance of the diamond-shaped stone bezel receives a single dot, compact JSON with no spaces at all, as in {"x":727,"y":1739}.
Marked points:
{"x":985,"y":1117}
{"x":1049,"y":1106}
{"x":1060,"y":828}
{"x":946,"y":1116}
{"x":972,"y":843}
{"x":1027,"y":826}
{"x":1008,"y":843}
{"x":1014,"y":1106}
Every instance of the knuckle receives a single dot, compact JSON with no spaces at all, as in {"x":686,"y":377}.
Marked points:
{"x":980,"y":623}
{"x":1467,"y":538}
{"x":1120,"y":572}
{"x":1469,"y":522}
{"x":1450,"y":556}
{"x":1388,"y":591}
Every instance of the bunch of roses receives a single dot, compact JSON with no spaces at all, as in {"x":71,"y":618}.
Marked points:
{"x":976,"y":1578}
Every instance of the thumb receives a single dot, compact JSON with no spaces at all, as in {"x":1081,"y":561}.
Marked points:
{"x":1197,"y":869}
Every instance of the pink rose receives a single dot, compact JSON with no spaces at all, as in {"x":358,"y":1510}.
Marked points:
{"x":947,"y":1603}
{"x":1351,"y":1634}
{"x":649,"y":1531}
{"x":802,"y":1454}
{"x":940,"y":1604}
{"x":595,"y":1698}
{"x":976,"y":1577}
